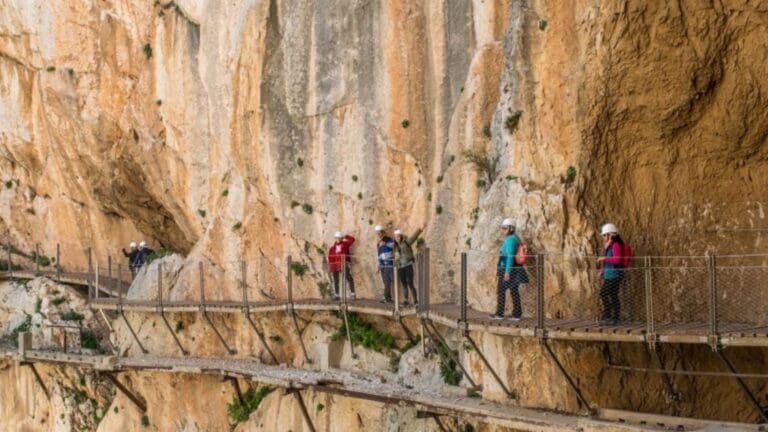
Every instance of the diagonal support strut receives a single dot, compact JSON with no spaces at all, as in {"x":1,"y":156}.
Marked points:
{"x":300,"y":400}
{"x":747,"y":392}
{"x":231,"y":351}
{"x":568,"y":379}
{"x":510,"y":394}
{"x":261,"y":337}
{"x":38,"y":378}
{"x":433,"y":331}
{"x":133,"y":333}
{"x":140,"y":404}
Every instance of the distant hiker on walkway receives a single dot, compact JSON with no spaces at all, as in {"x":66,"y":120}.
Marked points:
{"x":385,"y":256}
{"x":131,"y":254}
{"x":339,"y":261}
{"x":616,"y":256}
{"x":143,"y":252}
{"x":509,"y":273}
{"x":403,"y":246}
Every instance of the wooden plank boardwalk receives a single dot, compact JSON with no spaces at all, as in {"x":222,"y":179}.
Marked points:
{"x":445,"y":402}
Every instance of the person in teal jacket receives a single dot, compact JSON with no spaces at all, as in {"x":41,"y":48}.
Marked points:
{"x":509,"y":274}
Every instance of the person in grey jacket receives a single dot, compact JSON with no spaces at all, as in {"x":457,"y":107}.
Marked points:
{"x":404,"y":248}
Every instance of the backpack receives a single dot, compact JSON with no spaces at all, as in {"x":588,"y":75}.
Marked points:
{"x":626,"y":255}
{"x":521,"y":254}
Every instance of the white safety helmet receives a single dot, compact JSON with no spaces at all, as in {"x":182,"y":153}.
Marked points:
{"x":378,"y":228}
{"x":143,"y":244}
{"x":337,"y":235}
{"x":133,"y":245}
{"x":507,"y":223}
{"x":609,"y":228}
{"x":398,"y":232}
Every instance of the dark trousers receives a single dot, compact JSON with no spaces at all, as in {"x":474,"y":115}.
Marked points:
{"x":513,"y":285}
{"x":388,"y":277}
{"x":609,"y":294}
{"x":405,"y":274}
{"x":350,"y":282}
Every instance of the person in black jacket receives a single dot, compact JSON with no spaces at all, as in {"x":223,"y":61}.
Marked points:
{"x":131,"y":254}
{"x":143,"y":253}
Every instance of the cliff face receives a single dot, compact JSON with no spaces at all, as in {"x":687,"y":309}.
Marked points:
{"x":254,"y":129}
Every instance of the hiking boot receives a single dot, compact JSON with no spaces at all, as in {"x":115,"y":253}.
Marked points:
{"x":514,"y":318}
{"x":351,"y":296}
{"x":406,"y":303}
{"x":605,"y":322}
{"x":496,"y":317}
{"x":385,"y":301}
{"x":335,"y":297}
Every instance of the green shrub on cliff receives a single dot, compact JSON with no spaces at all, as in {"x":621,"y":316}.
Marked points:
{"x":251,"y":400}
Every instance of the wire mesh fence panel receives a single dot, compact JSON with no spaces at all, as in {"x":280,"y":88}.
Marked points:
{"x":571,"y":287}
{"x":741,"y":297}
{"x":631,"y":308}
{"x":680,"y":291}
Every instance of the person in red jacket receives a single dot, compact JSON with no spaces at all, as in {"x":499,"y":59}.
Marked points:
{"x":339,"y":260}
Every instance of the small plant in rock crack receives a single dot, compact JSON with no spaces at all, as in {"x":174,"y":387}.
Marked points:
{"x":543,"y":25}
{"x":300,"y":162}
{"x":513,"y":121}
{"x":8,"y":184}
{"x":307,"y":208}
{"x":72,"y":316}
{"x":159,"y":102}
{"x":439,"y":179}
{"x":276,"y":338}
{"x":225,"y":192}
{"x":88,"y":340}
{"x":179,"y":326}
{"x":237,"y":226}
{"x":145,"y":421}
{"x":251,"y":400}
{"x":487,"y":131}
{"x":299,"y":269}
{"x":295,"y":204}
{"x":202,"y":213}
{"x":51,"y":68}
{"x":147,"y":51}
{"x":322,"y":287}
{"x":365,"y":334}
{"x":439,"y":209}
{"x":485,"y":165}
{"x":354,"y":178}
{"x":405,"y":123}
{"x":570,"y":175}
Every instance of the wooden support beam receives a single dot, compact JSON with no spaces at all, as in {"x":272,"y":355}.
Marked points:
{"x":38,"y":378}
{"x":300,"y":400}
{"x":133,"y":333}
{"x":138,"y":401}
{"x":568,"y":379}
{"x":231,"y":351}
{"x":747,"y":392}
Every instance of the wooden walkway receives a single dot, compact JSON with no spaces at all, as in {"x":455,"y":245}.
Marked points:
{"x":443,"y":402}
{"x":112,"y":297}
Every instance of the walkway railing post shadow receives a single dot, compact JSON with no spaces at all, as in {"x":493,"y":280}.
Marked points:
{"x":58,"y":262}
{"x":650,"y":331}
{"x":10,"y":259}
{"x":37,"y":259}
{"x":713,"y":337}
{"x":540,"y":330}
{"x":289,"y":307}
{"x":90,"y":272}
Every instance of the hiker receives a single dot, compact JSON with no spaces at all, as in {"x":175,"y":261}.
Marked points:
{"x":509,"y":273}
{"x":384,"y":250}
{"x":339,"y":261}
{"x":131,"y":254}
{"x":611,"y":264}
{"x":403,"y":245}
{"x":143,"y":252}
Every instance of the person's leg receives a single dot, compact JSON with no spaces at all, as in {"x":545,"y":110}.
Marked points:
{"x":386,"y":277}
{"x":350,"y":281}
{"x":403,"y":287}
{"x":615,"y":302}
{"x":501,"y":292}
{"x":605,"y":298}
{"x":517,"y":305}
{"x":335,"y":277}
{"x":409,"y":284}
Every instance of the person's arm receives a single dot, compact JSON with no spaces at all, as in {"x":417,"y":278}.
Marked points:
{"x":349,"y":240}
{"x":615,"y":259}
{"x":415,"y":236}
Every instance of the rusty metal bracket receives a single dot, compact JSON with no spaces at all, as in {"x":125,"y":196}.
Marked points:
{"x":137,"y":400}
{"x":38,"y":378}
{"x":133,"y":333}
{"x":173,"y":334}
{"x":434,"y":416}
{"x":433,"y":331}
{"x":231,"y":351}
{"x":261,"y":337}
{"x":568,"y":379}
{"x":747,"y":392}
{"x":300,"y":400}
{"x":510,"y":394}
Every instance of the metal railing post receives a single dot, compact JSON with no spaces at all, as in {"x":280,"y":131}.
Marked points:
{"x":10,"y":259}
{"x":289,"y":281}
{"x":202,"y":285}
{"x":540,"y":330}
{"x":37,"y":259}
{"x":463,"y":294}
{"x":396,"y":285}
{"x":109,"y":269}
{"x":58,"y":262}
{"x":427,"y":288}
{"x":90,"y":272}
{"x":343,"y":283}
{"x":244,"y":283}
{"x":713,"y":303}
{"x":650,"y":331}
{"x":96,"y":283}
{"x":160,"y":286}
{"x":120,"y":286}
